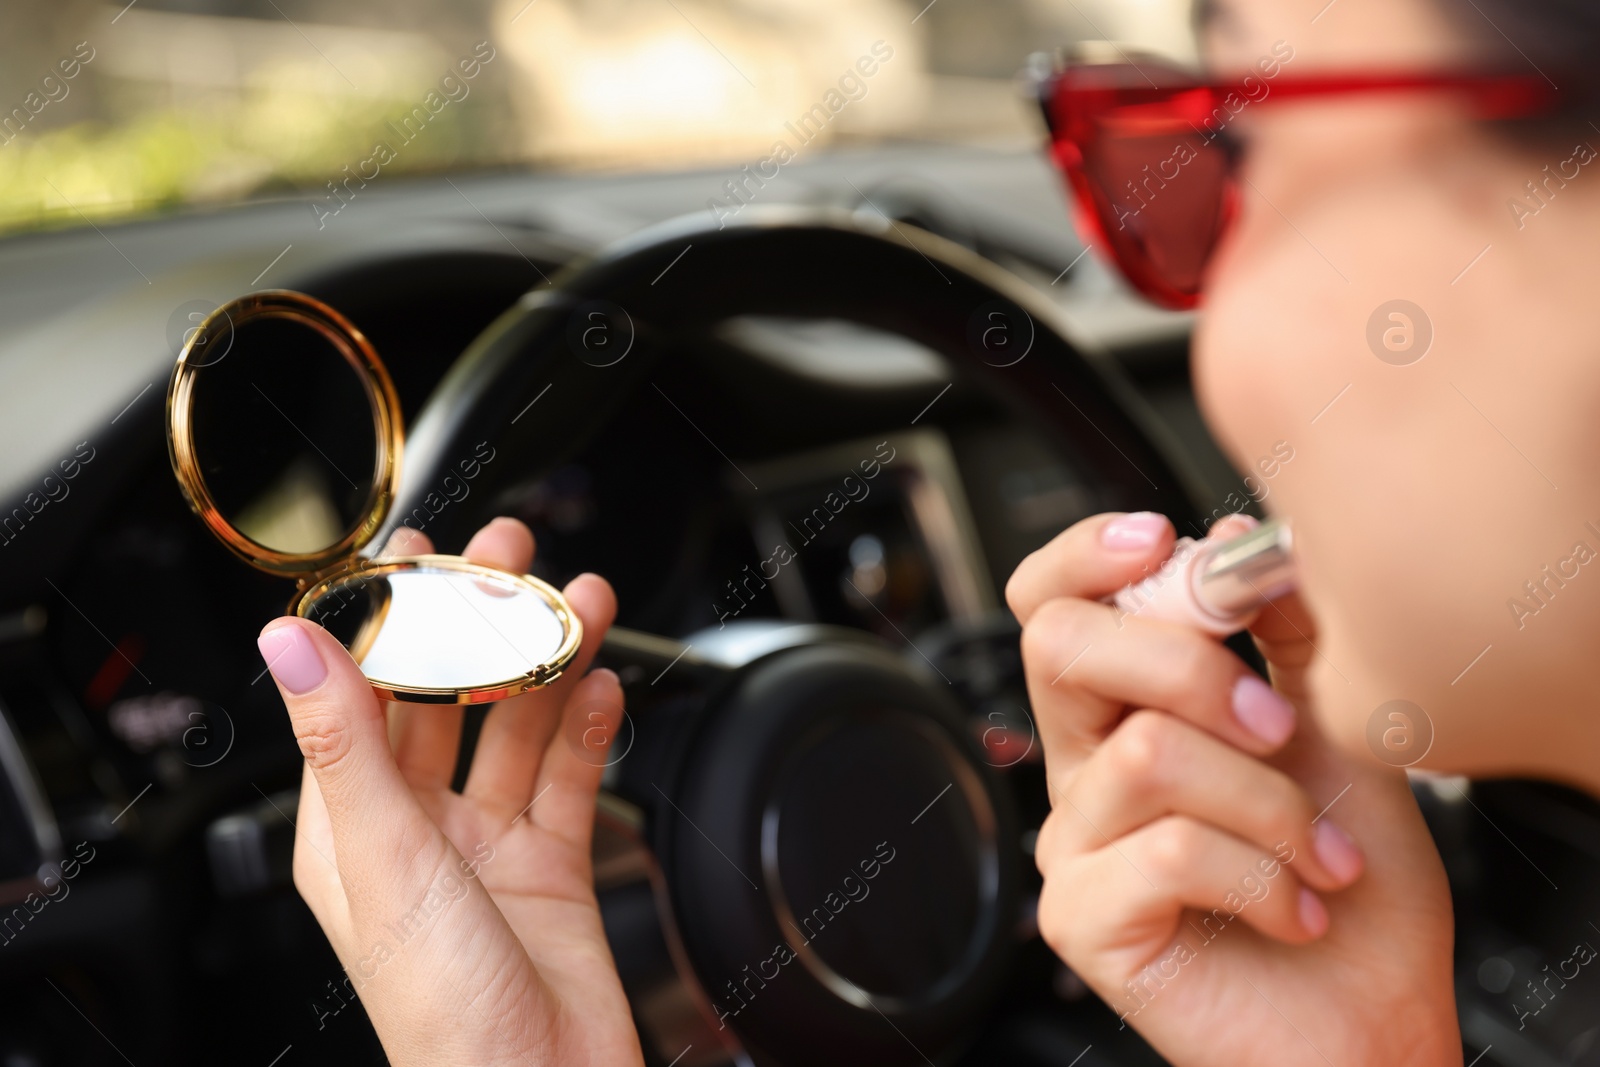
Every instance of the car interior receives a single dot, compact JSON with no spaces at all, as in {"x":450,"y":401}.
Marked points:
{"x":806,"y":440}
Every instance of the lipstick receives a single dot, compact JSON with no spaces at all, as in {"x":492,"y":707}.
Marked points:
{"x":1216,"y":587}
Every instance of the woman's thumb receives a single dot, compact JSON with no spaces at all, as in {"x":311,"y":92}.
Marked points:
{"x":343,"y":735}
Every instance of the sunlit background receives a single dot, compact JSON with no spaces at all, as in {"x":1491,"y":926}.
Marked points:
{"x":114,"y":111}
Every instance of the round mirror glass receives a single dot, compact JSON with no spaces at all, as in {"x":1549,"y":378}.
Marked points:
{"x":441,"y":629}
{"x":284,"y":431}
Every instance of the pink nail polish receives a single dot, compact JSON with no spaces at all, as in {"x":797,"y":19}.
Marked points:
{"x":292,"y":658}
{"x":1262,"y":711}
{"x":1138,"y":530}
{"x":1337,"y":852}
{"x":1313,"y":913}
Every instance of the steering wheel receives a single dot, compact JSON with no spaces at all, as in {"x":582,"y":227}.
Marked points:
{"x":807,"y":855}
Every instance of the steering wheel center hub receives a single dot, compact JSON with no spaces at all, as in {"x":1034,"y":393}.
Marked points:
{"x":834,"y":847}
{"x":878,"y":852}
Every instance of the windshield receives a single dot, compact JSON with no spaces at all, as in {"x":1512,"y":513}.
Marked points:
{"x":122,"y":109}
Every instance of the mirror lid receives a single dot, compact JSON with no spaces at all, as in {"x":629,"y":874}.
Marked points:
{"x":383,"y":401}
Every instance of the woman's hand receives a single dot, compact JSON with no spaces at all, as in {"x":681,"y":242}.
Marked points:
{"x":466,"y":922}
{"x":1233,"y":887}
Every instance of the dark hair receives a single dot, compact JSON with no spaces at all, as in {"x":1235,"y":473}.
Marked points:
{"x":1559,"y":39}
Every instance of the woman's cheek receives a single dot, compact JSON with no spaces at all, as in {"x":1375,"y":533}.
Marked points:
{"x":1278,"y":357}
{"x":1415,"y":519}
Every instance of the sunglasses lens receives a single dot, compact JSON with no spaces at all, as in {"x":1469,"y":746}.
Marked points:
{"x":1162,"y":204}
{"x":1155,"y":181}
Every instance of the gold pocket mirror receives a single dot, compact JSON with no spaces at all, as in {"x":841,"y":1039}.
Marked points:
{"x":285,"y":435}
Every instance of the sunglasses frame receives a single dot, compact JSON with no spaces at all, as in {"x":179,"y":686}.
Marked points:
{"x":1084,"y":103}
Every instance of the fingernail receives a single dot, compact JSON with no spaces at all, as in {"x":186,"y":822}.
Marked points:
{"x":292,"y":658}
{"x":1237,"y":523}
{"x":1313,"y":913}
{"x":1262,"y":711}
{"x":1337,"y":852}
{"x":1140,"y":529}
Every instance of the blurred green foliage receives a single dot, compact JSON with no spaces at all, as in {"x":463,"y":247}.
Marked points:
{"x":258,"y":142}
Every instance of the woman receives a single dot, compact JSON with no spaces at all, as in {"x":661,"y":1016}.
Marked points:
{"x":1235,"y":867}
{"x":1424,"y":496}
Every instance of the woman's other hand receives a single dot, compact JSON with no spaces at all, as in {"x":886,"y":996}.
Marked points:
{"x":1237,"y":890}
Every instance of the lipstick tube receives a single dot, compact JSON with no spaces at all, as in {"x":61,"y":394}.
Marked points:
{"x":1216,"y":587}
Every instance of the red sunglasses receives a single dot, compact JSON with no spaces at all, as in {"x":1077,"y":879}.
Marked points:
{"x":1146,"y":151}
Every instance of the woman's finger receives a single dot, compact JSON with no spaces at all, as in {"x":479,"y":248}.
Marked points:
{"x":518,"y":731}
{"x":1090,"y":559}
{"x":1114,"y":910}
{"x":577,"y":758}
{"x":1086,"y":663}
{"x":405,"y":541}
{"x":1154,"y":765}
{"x":1286,"y":635}
{"x":374,"y":819}
{"x":505,"y":543}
